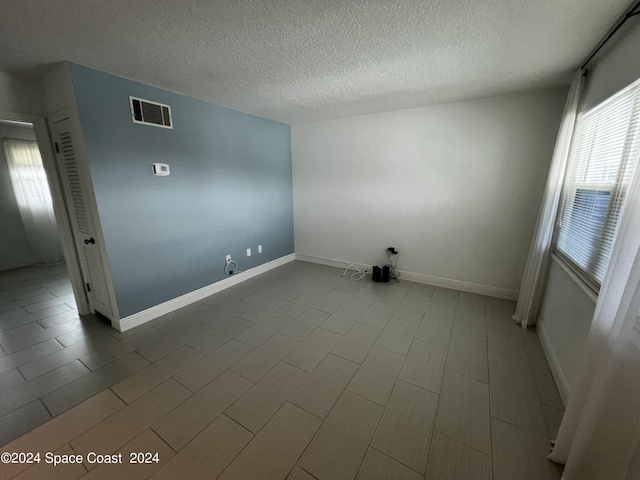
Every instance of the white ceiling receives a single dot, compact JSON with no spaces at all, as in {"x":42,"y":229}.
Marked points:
{"x":306,"y":60}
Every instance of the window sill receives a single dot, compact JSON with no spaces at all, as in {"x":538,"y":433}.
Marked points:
{"x":576,"y":279}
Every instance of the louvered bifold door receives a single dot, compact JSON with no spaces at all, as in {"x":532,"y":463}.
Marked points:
{"x":69,"y":170}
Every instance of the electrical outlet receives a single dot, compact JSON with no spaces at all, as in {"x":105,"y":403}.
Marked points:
{"x":259,"y":248}
{"x":228,"y":257}
{"x":248,"y":252}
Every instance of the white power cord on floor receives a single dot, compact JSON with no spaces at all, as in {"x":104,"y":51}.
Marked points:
{"x":359,"y":274}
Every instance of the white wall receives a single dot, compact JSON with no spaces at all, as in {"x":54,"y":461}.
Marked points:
{"x":615,"y":67}
{"x":455,"y":187}
{"x":567,"y":310}
{"x":19,"y":94}
{"x":563,"y":325}
{"x":58,"y":90}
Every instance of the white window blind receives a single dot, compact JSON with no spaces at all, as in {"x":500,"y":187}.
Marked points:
{"x":603,"y":157}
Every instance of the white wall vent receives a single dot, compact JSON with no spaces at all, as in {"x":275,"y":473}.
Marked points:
{"x":150,"y":113}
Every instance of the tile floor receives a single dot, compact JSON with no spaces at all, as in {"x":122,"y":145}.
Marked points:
{"x":296,"y":374}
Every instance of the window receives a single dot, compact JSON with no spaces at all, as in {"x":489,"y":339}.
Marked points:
{"x":28,"y":177}
{"x":31,"y":190}
{"x":602,"y":160}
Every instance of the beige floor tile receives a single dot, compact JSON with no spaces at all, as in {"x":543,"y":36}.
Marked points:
{"x":394,"y":294}
{"x":443,"y":302}
{"x":553,"y":416}
{"x":264,"y":329}
{"x":313,"y":349}
{"x":254,"y":409}
{"x":500,"y":315}
{"x":209,"y":454}
{"x":184,"y":422}
{"x":411,"y":309}
{"x":339,"y":446}
{"x":65,"y":427}
{"x":319,"y":287}
{"x":471,"y":302}
{"x":198,"y":312}
{"x":378,"y":314}
{"x":397,"y":336}
{"x":226,"y":313}
{"x":205,"y":370}
{"x":343,"y":319}
{"x":405,"y":430}
{"x":123,"y":426}
{"x":468,"y":357}
{"x":258,"y":363}
{"x":215,"y":338}
{"x":470,"y":317}
{"x":299,"y":305}
{"x":273,"y":452}
{"x":332,"y":302}
{"x":262,"y":294}
{"x":263,"y":309}
{"x":451,"y":460}
{"x":463,"y":412}
{"x":514,"y":399}
{"x":299,"y":474}
{"x":377,"y":466}
{"x":208,"y":441}
{"x":290,"y":292}
{"x":304,"y":324}
{"x":372,"y":288}
{"x":184,"y":329}
{"x":160,"y":348}
{"x":136,"y":385}
{"x":43,"y":470}
{"x":323,"y":387}
{"x":520,"y":455}
{"x":348,"y":285}
{"x":470,"y":325}
{"x":420,"y":291}
{"x":357,"y":343}
{"x":435,"y":328}
{"x":363,"y":298}
{"x":376,"y":376}
{"x":146,"y":442}
{"x":424,"y":365}
{"x":508,"y":349}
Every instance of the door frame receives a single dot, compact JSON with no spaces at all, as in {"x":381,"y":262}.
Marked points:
{"x":91,"y":209}
{"x":45,"y":145}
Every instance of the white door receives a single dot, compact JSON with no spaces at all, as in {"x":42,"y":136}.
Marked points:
{"x":70,"y":171}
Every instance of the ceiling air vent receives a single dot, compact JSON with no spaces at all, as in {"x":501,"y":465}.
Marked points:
{"x":150,"y":113}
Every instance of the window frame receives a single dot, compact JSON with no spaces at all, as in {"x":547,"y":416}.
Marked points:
{"x":618,"y":189}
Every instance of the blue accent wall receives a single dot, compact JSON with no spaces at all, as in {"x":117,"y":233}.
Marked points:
{"x":230,"y":189}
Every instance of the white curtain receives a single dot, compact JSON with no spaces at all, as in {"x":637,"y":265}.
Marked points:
{"x":34,"y":199}
{"x":600,"y":433}
{"x":535,"y":273}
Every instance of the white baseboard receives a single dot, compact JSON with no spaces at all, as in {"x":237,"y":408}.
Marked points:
{"x":564,"y":388}
{"x":426,"y":279}
{"x":23,"y":262}
{"x":144,"y":316}
{"x":328,"y":261}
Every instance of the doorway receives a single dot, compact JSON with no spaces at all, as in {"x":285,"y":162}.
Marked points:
{"x":32,"y":261}
{"x":70,"y":194}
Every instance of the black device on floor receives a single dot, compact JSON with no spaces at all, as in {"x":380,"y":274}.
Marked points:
{"x":381,"y":274}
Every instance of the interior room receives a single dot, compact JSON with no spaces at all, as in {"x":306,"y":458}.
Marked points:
{"x":320,"y":240}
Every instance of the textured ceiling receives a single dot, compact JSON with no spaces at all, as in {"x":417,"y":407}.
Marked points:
{"x":306,"y":60}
